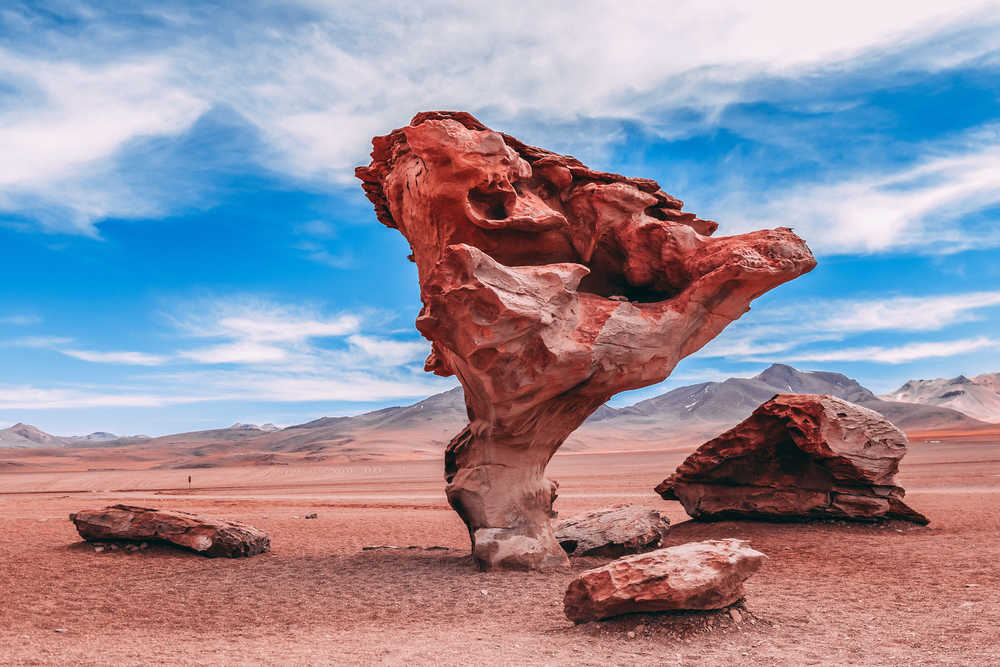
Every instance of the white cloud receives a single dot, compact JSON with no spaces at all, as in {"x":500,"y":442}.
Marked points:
{"x":390,"y":352}
{"x":319,"y":88}
{"x":900,"y":354}
{"x":916,"y":207}
{"x":781,"y":332}
{"x":28,"y":397}
{"x":20,"y":320}
{"x":239,"y":352}
{"x":131,"y":358}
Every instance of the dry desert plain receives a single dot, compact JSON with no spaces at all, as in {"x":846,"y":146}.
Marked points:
{"x":830,"y":592}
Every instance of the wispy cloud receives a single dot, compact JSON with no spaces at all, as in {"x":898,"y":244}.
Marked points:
{"x":129,"y":358}
{"x":783,"y":332}
{"x":317,"y":91}
{"x":917,"y":207}
{"x":899,"y":354}
{"x":20,"y":320}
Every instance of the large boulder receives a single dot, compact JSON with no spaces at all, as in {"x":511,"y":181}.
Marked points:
{"x":613,"y":532}
{"x":798,"y":456}
{"x":547,"y":288}
{"x":692,"y":576}
{"x":207,"y":536}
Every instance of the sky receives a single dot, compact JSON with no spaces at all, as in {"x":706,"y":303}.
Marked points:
{"x":183,"y":244}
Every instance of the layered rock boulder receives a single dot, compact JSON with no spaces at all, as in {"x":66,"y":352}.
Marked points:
{"x":547,"y":288}
{"x":613,"y":532}
{"x":692,"y":576}
{"x":798,"y":456}
{"x":204,"y":535}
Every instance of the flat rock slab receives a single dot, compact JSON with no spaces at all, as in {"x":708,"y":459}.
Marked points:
{"x":798,"y":456}
{"x":692,"y":576}
{"x":204,"y":535}
{"x":615,"y":531}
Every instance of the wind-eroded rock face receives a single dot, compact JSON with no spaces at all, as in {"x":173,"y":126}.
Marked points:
{"x":798,"y":456}
{"x":696,"y":575}
{"x":548,"y":287}
{"x":613,"y":532}
{"x":207,"y":536}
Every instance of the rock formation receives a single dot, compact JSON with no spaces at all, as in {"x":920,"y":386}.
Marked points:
{"x":798,"y":456}
{"x":548,"y":287}
{"x":210,"y":537}
{"x":613,"y":532}
{"x":696,"y":575}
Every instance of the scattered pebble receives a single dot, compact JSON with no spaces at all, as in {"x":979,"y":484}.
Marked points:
{"x":484,"y":592}
{"x":312,"y":516}
{"x":631,"y":635}
{"x":60,"y":630}
{"x":734,"y":614}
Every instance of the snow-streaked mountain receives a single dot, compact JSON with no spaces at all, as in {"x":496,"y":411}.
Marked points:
{"x":978,"y":397}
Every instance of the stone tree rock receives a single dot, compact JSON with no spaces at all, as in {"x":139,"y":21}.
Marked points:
{"x":207,"y":536}
{"x":547,"y":288}
{"x":798,"y":456}
{"x":696,"y":575}
{"x":613,"y":532}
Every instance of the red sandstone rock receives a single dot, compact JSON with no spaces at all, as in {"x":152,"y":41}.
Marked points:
{"x":797,"y":456}
{"x":547,"y":288}
{"x":211,"y":537}
{"x":613,"y":532}
{"x":696,"y":575}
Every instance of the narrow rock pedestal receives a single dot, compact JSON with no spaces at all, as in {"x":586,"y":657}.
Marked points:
{"x":547,"y":288}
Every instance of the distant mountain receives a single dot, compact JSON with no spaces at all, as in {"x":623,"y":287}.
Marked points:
{"x":685,"y":416}
{"x":978,"y":397}
{"x":708,"y":407}
{"x":26,"y":435}
{"x":96,"y":436}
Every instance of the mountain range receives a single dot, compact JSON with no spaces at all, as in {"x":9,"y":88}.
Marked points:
{"x":684,"y":416}
{"x":977,"y":397}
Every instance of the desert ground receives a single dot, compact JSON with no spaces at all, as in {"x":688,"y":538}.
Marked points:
{"x":830,"y":592}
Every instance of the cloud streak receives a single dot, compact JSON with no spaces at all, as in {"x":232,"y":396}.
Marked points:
{"x":317,"y":82}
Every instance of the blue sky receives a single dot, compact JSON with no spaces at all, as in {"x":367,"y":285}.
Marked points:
{"x":183,"y":245}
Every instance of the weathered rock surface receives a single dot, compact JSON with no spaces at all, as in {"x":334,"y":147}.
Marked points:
{"x":696,"y":575}
{"x":613,"y":532}
{"x":207,"y":536}
{"x":798,"y":456}
{"x":548,"y":287}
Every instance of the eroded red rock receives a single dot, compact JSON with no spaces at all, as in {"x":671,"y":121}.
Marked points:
{"x":548,"y":287}
{"x":798,"y":456}
{"x":207,"y":536}
{"x":692,"y":576}
{"x":615,"y":531}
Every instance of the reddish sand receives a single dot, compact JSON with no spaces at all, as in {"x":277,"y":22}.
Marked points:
{"x":830,"y":593}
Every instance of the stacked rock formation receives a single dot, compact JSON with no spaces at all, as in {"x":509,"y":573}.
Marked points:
{"x":207,"y":536}
{"x":692,"y":576}
{"x":613,"y":532}
{"x":798,"y":456}
{"x":548,"y":287}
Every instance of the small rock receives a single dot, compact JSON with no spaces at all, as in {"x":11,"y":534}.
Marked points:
{"x":640,"y":627}
{"x":98,"y":549}
{"x":614,"y":531}
{"x":734,"y":614}
{"x":484,"y":592}
{"x":972,"y":585}
{"x":312,"y":516}
{"x":204,"y":535}
{"x":631,"y":635}
{"x":60,"y":630}
{"x":696,"y":575}
{"x":437,"y":548}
